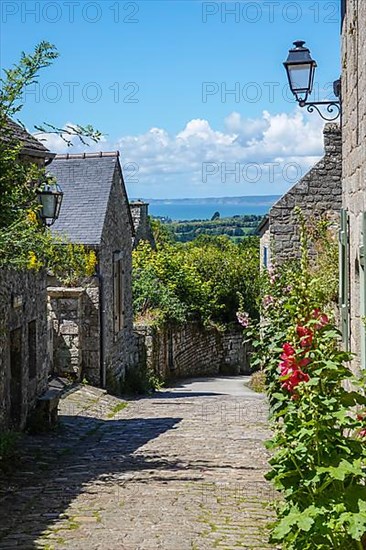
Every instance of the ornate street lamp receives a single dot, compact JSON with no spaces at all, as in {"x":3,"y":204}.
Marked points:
{"x":50,"y":198}
{"x":300,"y":69}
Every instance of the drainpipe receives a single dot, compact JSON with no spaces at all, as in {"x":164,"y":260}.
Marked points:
{"x":101,"y":328}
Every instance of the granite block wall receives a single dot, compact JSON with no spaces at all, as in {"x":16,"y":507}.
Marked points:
{"x":24,"y":354}
{"x":191,"y":351}
{"x":354,"y":154}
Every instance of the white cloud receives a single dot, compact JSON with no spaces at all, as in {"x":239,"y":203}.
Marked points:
{"x":57,"y":144}
{"x":248,"y":157}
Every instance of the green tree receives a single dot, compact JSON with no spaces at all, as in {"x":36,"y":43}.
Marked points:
{"x":24,"y":243}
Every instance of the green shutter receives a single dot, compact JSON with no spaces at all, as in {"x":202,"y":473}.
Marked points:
{"x":344,"y":278}
{"x":363,"y":290}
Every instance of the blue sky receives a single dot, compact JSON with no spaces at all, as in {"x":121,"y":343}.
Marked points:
{"x":155,"y":77}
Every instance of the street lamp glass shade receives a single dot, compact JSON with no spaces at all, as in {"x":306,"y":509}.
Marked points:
{"x":300,"y":68}
{"x":50,"y":199}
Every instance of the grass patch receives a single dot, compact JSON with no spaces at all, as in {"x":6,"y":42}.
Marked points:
{"x":97,"y":516}
{"x":117,"y":408}
{"x":72,"y":525}
{"x":258,"y":382}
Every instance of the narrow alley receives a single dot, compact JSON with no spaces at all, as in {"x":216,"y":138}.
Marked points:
{"x":181,"y":470}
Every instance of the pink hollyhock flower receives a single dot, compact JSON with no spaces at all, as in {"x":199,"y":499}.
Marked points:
{"x":243,"y":318}
{"x":268,"y":301}
{"x":363,"y":432}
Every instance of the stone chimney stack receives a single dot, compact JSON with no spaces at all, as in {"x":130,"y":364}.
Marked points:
{"x":140,"y":217}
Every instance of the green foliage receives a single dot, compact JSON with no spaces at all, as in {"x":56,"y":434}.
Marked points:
{"x":324,"y":269}
{"x":237,"y":227}
{"x":24,"y":243}
{"x":319,"y":456}
{"x":203,"y":280}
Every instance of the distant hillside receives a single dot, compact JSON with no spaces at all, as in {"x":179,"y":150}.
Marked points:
{"x":262,"y":200}
{"x":237,"y":227}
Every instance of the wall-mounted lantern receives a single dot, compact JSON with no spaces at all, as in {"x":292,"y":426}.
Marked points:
{"x":50,"y":197}
{"x":300,"y":68}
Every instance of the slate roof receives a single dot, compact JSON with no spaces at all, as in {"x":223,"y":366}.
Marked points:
{"x":263,"y":225}
{"x":86,"y":180}
{"x":31,"y":145}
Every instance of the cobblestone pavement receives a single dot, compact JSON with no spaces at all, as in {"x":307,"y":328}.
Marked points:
{"x":182,"y":470}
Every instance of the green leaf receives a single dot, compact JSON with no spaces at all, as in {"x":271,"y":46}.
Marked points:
{"x":344,"y":469}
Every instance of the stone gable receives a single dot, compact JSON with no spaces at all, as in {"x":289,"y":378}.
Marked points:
{"x":318,"y":192}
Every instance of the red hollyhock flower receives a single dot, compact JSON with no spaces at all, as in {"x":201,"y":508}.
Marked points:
{"x":363,"y":432}
{"x":294,"y":380}
{"x":288,"y":349}
{"x":286,"y":369}
{"x":322,"y":319}
{"x":304,"y":362}
{"x":306,"y":336}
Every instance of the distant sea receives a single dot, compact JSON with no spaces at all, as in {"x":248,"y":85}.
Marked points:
{"x":203,"y":209}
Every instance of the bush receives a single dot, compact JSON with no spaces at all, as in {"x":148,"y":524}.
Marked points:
{"x":204,"y":280}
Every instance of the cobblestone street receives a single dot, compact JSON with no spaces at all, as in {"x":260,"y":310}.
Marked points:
{"x":181,"y":470}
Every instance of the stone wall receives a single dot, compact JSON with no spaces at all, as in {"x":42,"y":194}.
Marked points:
{"x":140,"y":216}
{"x":354,"y":152}
{"x":75,"y":321}
{"x":24,"y":359}
{"x":191,"y":351}
{"x":116,"y":238}
{"x":318,"y":192}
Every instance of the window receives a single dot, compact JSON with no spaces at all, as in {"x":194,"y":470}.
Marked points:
{"x":265,"y":256}
{"x":32,"y":348}
{"x":118,"y":292}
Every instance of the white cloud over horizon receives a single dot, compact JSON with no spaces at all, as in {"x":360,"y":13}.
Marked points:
{"x":266,"y":155}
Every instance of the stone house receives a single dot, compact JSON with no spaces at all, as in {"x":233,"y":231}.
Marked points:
{"x":353,"y":230}
{"x":317,"y":193}
{"x":24,"y":358}
{"x":93,"y":323}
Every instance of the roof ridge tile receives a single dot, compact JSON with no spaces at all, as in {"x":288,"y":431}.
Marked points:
{"x":100,"y":154}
